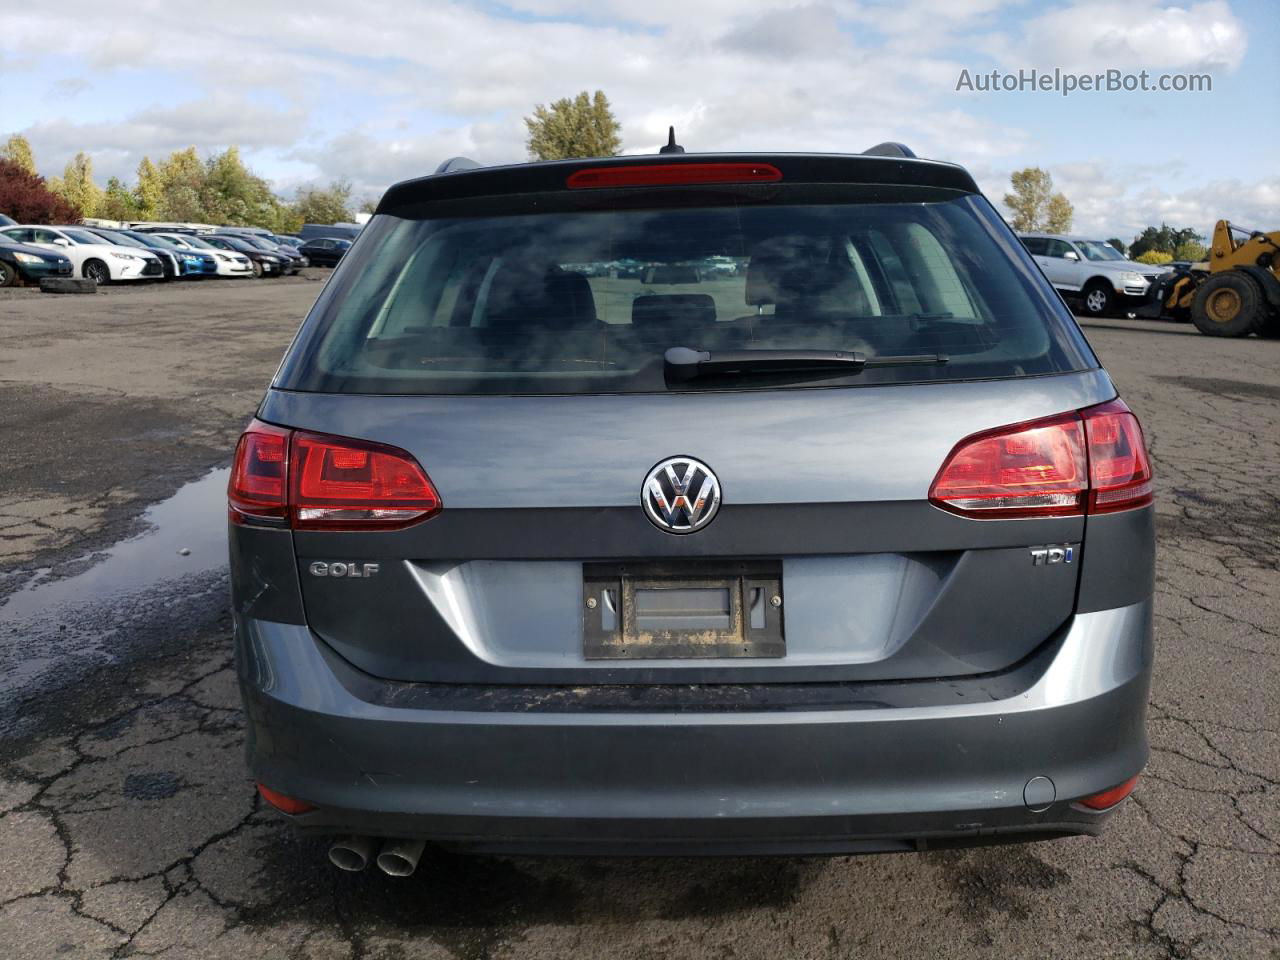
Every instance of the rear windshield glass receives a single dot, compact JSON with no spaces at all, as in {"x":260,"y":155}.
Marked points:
{"x":588,"y":302}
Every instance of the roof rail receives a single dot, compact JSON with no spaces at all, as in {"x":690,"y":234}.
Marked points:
{"x":454,"y":164}
{"x":890,"y":148}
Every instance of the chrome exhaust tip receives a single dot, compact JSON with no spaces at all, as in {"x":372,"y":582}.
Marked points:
{"x":399,"y":858}
{"x":351,"y":853}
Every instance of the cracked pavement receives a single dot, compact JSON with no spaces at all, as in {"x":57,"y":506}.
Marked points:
{"x":128,"y":826}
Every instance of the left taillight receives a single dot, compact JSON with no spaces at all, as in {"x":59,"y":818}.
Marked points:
{"x":337,"y":483}
{"x":319,"y":482}
{"x":258,"y":488}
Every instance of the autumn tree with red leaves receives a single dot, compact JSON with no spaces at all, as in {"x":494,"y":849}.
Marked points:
{"x":25,"y":197}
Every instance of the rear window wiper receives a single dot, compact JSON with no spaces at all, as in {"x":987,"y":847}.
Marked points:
{"x":682,"y":363}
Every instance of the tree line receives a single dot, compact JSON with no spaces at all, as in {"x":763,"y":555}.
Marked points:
{"x":1034,"y":206}
{"x":1164,"y":243}
{"x":181,"y":187}
{"x":221,"y":189}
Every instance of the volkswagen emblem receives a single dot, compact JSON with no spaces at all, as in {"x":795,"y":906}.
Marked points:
{"x":681,"y":495}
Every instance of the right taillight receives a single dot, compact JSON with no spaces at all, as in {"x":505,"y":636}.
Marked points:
{"x":1092,"y":460}
{"x":1029,"y":469}
{"x":319,"y":482}
{"x":1119,"y":469}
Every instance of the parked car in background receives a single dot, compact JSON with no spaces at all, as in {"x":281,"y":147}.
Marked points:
{"x":230,"y":262}
{"x":7,"y":221}
{"x":174,"y":227}
{"x":346,"y":231}
{"x":167,"y":256}
{"x":193,"y":264}
{"x":92,"y":257}
{"x":258,"y":231}
{"x":518,"y":567}
{"x":29,"y":264}
{"x":1091,"y":271}
{"x":663,"y":273}
{"x":293,"y":248}
{"x":325,"y":251}
{"x":715,"y":267}
{"x":627,"y":268}
{"x":264,"y":263}
{"x":293,"y":259}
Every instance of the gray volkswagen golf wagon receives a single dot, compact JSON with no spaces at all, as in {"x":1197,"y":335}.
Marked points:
{"x":691,"y":504}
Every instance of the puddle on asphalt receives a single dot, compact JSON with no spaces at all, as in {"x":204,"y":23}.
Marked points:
{"x":58,"y":628}
{"x":193,"y":520}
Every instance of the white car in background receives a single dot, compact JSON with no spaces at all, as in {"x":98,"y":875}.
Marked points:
{"x":230,"y":264}
{"x":1092,"y":271}
{"x":91,"y":256}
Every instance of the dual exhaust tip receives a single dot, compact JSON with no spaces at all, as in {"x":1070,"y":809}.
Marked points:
{"x":395,"y":858}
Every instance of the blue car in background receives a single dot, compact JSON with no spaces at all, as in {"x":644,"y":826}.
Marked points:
{"x":192,"y":263}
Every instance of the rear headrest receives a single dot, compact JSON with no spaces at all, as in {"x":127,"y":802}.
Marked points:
{"x":772,"y":260}
{"x":673,"y":310}
{"x":548,"y":298}
{"x":820,"y":288}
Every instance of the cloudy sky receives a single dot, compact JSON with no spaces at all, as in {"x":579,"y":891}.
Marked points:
{"x":381,"y":90}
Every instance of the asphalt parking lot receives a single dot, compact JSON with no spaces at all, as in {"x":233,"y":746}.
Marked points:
{"x":129,"y":828}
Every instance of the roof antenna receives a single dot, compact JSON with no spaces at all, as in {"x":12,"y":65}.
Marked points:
{"x":672,"y":146}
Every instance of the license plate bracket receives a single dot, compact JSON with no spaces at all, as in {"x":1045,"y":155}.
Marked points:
{"x":694,"y":609}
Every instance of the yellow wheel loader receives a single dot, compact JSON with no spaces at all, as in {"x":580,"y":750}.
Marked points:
{"x":1234,"y":293}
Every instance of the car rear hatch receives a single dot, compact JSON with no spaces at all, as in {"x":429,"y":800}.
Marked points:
{"x":496,"y":341}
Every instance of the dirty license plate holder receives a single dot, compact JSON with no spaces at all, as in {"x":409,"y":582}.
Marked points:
{"x":682,"y":610}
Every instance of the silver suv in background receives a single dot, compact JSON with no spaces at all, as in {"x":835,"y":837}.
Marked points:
{"x":849,"y":551}
{"x":1092,"y":271}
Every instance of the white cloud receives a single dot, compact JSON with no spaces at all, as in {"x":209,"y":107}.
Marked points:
{"x":1118,"y":200}
{"x":730,"y":75}
{"x":921,"y":24}
{"x":209,"y":124}
{"x":806,"y":31}
{"x":389,"y":93}
{"x":69,"y":86}
{"x":373,"y":163}
{"x":654,"y":13}
{"x":1151,"y":34}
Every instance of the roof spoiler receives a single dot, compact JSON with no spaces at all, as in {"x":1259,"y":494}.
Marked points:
{"x":891,"y":166}
{"x":890,"y":148}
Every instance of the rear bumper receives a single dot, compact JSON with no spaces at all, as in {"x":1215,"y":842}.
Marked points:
{"x":870,"y":774}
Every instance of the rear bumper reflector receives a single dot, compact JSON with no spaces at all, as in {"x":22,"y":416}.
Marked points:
{"x":1109,"y":798}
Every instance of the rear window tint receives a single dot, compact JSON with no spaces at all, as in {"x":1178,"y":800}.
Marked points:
{"x":588,"y":302}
